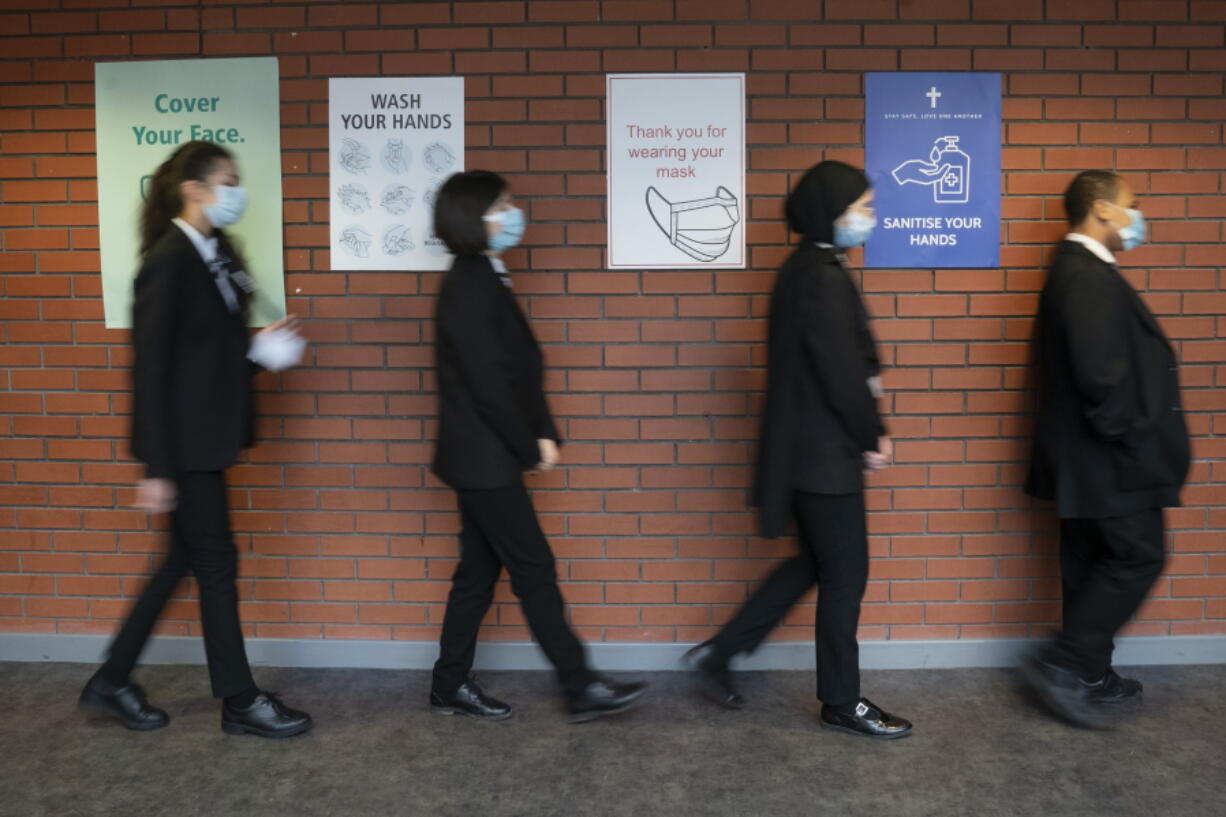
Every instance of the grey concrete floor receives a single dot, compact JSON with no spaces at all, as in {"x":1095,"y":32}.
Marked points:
{"x":981,"y":748}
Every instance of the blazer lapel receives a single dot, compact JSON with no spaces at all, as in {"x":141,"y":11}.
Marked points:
{"x":199,"y":269}
{"x":513,"y":305}
{"x":1138,"y":305}
{"x":1143,"y":312}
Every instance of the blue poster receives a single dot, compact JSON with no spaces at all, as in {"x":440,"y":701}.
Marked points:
{"x":933,"y":156}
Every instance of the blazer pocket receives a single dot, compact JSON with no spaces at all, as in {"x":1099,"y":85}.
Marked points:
{"x":1145,"y":466}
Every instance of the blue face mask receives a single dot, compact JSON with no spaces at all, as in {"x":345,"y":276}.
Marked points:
{"x":229,"y":208}
{"x":513,"y":223}
{"x":1133,"y":235}
{"x":853,"y":229}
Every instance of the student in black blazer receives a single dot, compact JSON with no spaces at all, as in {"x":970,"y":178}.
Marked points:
{"x":494,"y":427}
{"x":820,"y":432}
{"x":192,"y":416}
{"x":1110,"y":445}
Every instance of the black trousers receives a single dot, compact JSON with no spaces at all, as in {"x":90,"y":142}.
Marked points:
{"x":1107,"y":568}
{"x":500,"y":530}
{"x":201,"y":541}
{"x":834,"y":555}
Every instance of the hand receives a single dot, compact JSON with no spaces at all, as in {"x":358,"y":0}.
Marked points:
{"x":549,"y":455}
{"x":918,"y":171}
{"x":156,"y":495}
{"x":289,"y":322}
{"x":881,"y":458}
{"x":279,"y":346}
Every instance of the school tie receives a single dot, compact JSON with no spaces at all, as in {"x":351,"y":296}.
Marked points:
{"x":219,"y":267}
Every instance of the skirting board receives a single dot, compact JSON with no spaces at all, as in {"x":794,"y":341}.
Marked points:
{"x":417,"y":655}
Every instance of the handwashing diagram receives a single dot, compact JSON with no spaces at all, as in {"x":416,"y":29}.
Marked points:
{"x":395,"y":157}
{"x":354,"y":156}
{"x":353,"y":198}
{"x":398,"y":240}
{"x":356,"y":241}
{"x":397,"y":199}
{"x":391,"y":142}
{"x":700,"y":228}
{"x":948,"y":170}
{"x":432,"y":192}
{"x":439,"y":158}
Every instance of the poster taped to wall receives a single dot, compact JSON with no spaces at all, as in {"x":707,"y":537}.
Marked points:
{"x":392,"y":144}
{"x":676,"y":164}
{"x":147,"y":109}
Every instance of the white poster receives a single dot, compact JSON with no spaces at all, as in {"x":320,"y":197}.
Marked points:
{"x":392,"y":143}
{"x":676,"y":171}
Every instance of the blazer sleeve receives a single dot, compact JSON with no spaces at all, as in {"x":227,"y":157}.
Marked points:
{"x":1095,"y":319}
{"x":831,"y":342}
{"x":153,"y":339}
{"x":543,"y":422}
{"x":468,"y":319}
{"x":872,"y":361}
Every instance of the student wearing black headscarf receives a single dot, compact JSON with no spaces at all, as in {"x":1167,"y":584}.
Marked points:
{"x":820,"y":432}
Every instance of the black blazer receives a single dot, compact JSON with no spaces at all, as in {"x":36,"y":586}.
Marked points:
{"x":820,"y":415}
{"x":492,"y":406}
{"x":192,"y":381}
{"x":1110,"y":437}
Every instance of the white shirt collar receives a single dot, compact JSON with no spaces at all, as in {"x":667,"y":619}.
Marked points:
{"x":1093,"y":245}
{"x":501,"y":269}
{"x":207,"y":247}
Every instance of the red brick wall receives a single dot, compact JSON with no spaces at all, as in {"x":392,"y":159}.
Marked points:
{"x":656,"y":376}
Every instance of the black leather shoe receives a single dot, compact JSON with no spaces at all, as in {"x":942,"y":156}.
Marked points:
{"x":604,"y":697}
{"x":1062,"y":691}
{"x":867,"y":720}
{"x":127,"y":703}
{"x":267,"y":717}
{"x":470,"y":700}
{"x":1113,"y":689}
{"x":714,"y":677}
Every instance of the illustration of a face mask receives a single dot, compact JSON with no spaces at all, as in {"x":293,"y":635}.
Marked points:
{"x":701,"y":228}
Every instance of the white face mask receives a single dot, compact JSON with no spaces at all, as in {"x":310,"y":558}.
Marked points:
{"x":230,"y":205}
{"x":701,"y":228}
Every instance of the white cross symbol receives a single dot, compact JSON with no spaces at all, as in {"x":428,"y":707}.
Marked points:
{"x":932,"y":94}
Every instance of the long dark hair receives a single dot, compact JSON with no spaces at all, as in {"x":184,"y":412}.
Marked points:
{"x":191,"y":161}
{"x":458,"y":208}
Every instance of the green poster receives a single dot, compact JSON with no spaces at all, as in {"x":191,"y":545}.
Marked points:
{"x":145,"y":110}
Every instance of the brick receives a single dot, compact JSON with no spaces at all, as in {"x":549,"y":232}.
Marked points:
{"x":656,"y":376}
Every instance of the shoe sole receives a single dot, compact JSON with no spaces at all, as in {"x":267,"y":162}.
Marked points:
{"x":102,"y":710}
{"x":242,"y":729}
{"x":588,"y":717}
{"x":1037,"y":681}
{"x":452,"y":710}
{"x":871,"y":736}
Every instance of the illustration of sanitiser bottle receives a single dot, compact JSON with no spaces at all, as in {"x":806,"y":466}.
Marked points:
{"x":954,"y":186}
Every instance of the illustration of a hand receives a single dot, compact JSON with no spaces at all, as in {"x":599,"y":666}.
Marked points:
{"x":917,"y":171}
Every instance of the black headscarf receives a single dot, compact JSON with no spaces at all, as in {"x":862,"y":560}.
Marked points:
{"x":821,"y":196}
